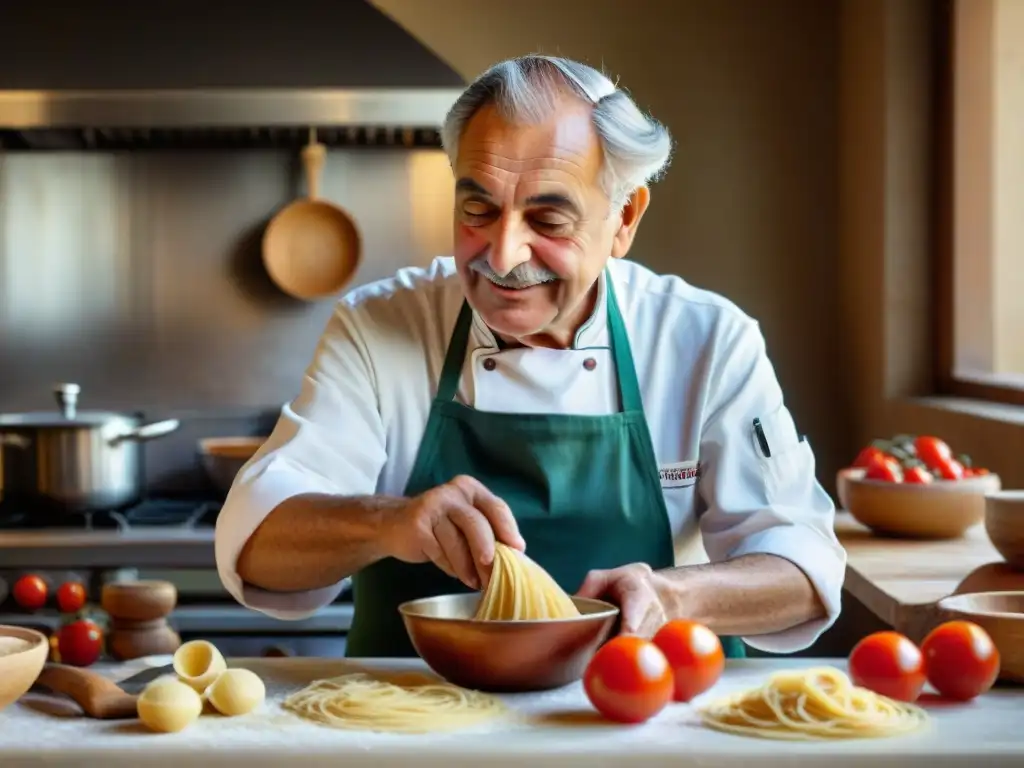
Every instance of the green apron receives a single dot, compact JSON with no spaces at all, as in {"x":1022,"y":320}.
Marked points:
{"x":584,"y":490}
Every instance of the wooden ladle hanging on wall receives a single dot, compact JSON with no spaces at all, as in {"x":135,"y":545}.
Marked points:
{"x":312,"y":248}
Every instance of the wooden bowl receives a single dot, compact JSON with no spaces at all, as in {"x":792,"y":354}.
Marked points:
{"x":23,"y":653}
{"x":944,"y":509}
{"x":138,"y":600}
{"x":1001,"y":614}
{"x":1004,"y":523}
{"x":157,"y":640}
{"x":223,"y":457}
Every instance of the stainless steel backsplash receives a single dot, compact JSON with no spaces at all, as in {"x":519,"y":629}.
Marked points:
{"x":139,"y":276}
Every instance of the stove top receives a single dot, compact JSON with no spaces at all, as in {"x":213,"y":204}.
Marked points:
{"x":150,"y":513}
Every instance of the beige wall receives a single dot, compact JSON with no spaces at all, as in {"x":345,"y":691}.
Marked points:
{"x":885,"y":250}
{"x":749,"y":207}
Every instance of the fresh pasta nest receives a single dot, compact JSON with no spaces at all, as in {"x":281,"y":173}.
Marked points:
{"x":520,"y":590}
{"x":818,"y":703}
{"x":407,"y":704}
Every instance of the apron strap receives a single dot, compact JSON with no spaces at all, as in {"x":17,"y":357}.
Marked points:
{"x":625,"y":372}
{"x":452,"y":371}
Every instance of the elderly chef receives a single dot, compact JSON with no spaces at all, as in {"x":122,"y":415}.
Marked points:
{"x":540,"y":390}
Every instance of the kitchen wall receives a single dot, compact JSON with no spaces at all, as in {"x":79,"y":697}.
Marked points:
{"x":749,"y":206}
{"x":139,"y":276}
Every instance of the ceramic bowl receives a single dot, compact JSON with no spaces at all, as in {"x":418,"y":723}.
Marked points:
{"x":23,"y":653}
{"x":1001,"y":615}
{"x":1004,"y":523}
{"x":943,"y":509}
{"x":505,"y":656}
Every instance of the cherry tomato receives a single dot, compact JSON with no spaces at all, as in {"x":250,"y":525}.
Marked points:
{"x":628,"y":680}
{"x":890,"y":664}
{"x":960,"y":660}
{"x":866,"y":455}
{"x":694,"y":654}
{"x":71,"y":597}
{"x":949,"y":469}
{"x":932,"y":451}
{"x":917,"y":474}
{"x":884,"y":468}
{"x":79,"y":643}
{"x":30,"y":592}
{"x":976,"y":472}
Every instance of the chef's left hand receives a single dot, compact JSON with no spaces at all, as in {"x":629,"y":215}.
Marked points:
{"x":634,"y":589}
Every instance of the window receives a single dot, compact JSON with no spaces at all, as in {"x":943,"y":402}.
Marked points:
{"x":980,"y":205}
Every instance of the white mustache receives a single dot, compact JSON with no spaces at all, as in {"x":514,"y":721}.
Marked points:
{"x":522,"y":275}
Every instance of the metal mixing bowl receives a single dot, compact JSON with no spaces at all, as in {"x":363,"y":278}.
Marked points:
{"x":505,"y":656}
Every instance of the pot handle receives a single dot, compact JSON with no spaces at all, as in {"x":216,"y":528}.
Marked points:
{"x":14,"y":441}
{"x":149,"y":431}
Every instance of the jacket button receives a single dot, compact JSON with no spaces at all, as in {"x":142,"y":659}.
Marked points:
{"x":590,"y":363}
{"x":490,"y":364}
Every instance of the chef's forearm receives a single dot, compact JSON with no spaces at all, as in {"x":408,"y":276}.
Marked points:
{"x":749,"y":595}
{"x":313,"y":541}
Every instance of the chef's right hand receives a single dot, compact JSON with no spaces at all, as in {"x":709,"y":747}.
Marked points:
{"x":454,"y":526}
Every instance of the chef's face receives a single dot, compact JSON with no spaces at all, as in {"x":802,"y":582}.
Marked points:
{"x":533,"y":226}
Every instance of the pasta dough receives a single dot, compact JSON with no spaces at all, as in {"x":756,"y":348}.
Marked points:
{"x":168,"y":705}
{"x":198,"y":663}
{"x":236,"y":692}
{"x":819,"y":703}
{"x":402,"y":704}
{"x":520,"y":590}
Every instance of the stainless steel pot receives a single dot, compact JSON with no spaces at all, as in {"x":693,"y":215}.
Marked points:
{"x":77,"y":461}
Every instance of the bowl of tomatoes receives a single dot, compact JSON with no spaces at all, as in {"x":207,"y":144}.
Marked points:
{"x":915,"y":487}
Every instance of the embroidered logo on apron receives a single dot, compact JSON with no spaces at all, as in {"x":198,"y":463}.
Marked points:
{"x":680,"y":474}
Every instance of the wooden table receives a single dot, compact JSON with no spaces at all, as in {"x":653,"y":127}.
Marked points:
{"x":553,"y":729}
{"x":900,"y":580}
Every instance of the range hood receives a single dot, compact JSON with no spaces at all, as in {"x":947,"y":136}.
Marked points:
{"x":109,"y":75}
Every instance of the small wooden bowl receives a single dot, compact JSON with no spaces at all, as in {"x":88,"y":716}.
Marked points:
{"x":138,"y":600}
{"x":944,"y":509}
{"x":20,"y":668}
{"x":1004,"y":523}
{"x":159,"y":640}
{"x":1001,"y":615}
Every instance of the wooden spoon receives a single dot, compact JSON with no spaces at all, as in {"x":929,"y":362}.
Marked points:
{"x":96,"y":695}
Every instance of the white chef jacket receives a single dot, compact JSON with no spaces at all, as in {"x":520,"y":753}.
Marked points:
{"x":356,"y":424}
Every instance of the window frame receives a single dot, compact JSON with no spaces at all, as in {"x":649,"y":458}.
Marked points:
{"x":946,"y":380}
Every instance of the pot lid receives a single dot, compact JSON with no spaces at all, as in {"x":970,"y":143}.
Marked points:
{"x":67,"y":414}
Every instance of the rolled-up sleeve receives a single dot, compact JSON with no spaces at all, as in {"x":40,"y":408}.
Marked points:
{"x":765,"y":504}
{"x":329,"y":439}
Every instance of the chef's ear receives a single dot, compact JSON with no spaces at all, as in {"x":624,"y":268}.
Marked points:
{"x":632,"y":212}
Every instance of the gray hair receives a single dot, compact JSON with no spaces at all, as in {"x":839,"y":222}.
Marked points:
{"x":526,"y":90}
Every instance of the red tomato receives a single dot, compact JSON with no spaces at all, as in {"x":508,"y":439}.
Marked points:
{"x":949,"y":469}
{"x":960,"y":660}
{"x":71,"y":597}
{"x":917,"y":474}
{"x":695,"y":655}
{"x":932,"y":451}
{"x":30,"y":592}
{"x":866,"y":455}
{"x":628,"y":680}
{"x":977,"y":472}
{"x":884,"y":468}
{"x":889,"y":664}
{"x":79,"y":643}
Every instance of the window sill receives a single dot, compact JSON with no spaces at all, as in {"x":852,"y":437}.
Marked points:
{"x":986,"y":410}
